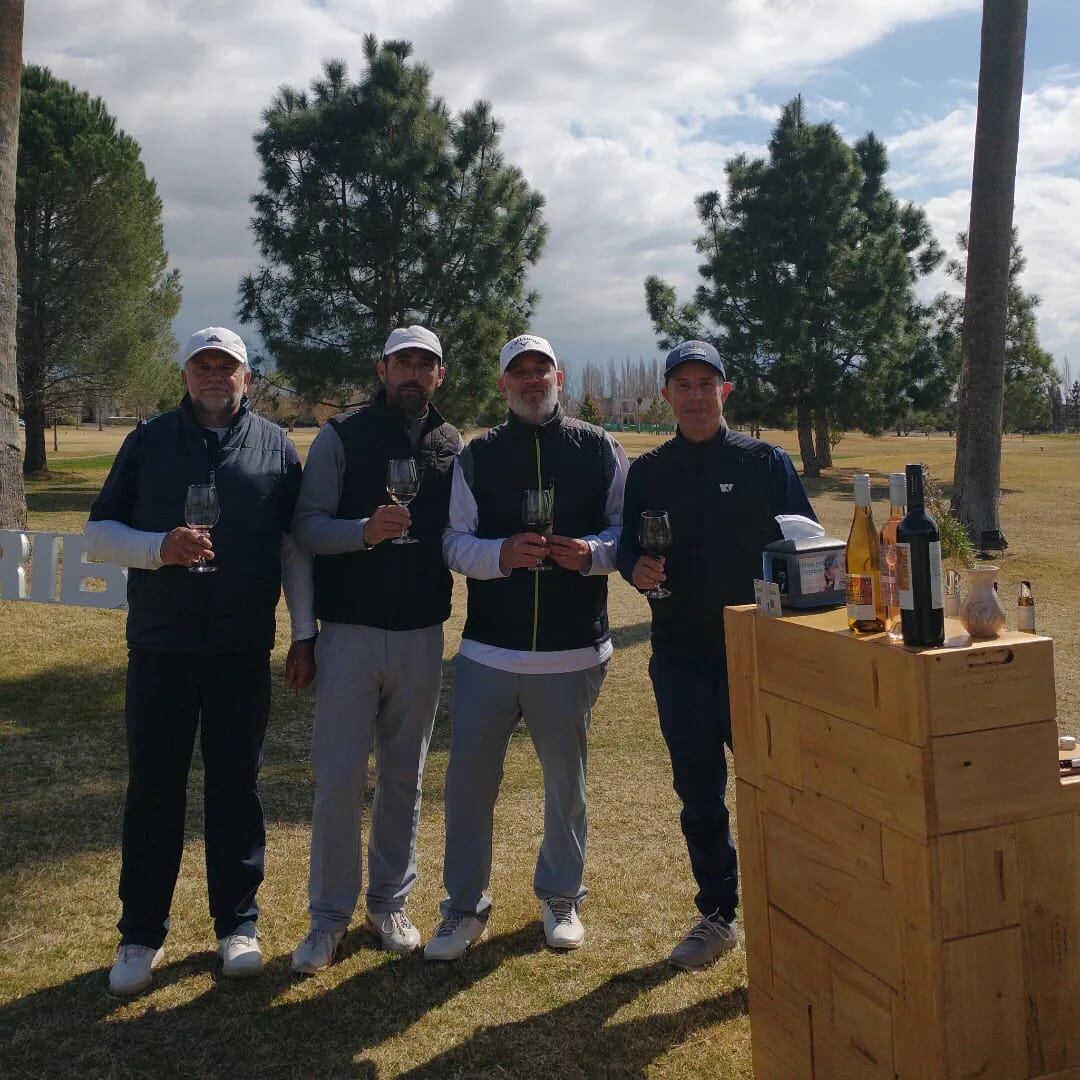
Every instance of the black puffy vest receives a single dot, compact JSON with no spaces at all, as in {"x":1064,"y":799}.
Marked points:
{"x":392,"y":586}
{"x":557,"y":609}
{"x":231,"y":610}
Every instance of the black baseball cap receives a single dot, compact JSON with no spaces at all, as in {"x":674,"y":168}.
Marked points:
{"x":701,"y":351}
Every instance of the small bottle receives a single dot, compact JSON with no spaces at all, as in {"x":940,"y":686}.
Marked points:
{"x":1025,"y":609}
{"x":865,"y":610}
{"x":918,"y":542}
{"x":952,"y":594}
{"x":890,"y":596}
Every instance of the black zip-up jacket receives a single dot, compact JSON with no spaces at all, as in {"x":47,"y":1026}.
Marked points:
{"x":391,"y":586}
{"x":257,"y":474}
{"x":722,"y":498}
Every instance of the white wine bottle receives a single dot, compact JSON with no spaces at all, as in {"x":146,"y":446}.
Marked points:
{"x":889,"y":555}
{"x":865,"y":609}
{"x":1025,"y":609}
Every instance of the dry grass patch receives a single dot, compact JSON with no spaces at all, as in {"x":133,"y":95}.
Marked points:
{"x":511,"y":1007}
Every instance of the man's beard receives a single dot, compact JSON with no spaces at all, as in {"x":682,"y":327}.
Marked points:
{"x":535,"y":413}
{"x":408,"y":401}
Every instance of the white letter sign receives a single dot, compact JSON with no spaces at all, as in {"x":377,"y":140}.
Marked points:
{"x":50,"y":554}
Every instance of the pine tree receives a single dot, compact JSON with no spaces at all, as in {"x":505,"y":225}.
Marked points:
{"x":589,"y":411}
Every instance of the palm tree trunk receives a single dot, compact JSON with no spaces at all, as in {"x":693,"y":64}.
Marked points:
{"x":981,"y":395}
{"x":12,"y":496}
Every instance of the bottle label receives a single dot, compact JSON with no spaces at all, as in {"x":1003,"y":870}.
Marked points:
{"x":904,"y":592}
{"x":1025,"y":618}
{"x":860,"y":596}
{"x":889,"y":594}
{"x":937,"y":598}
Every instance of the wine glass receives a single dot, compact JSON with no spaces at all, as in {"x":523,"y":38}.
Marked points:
{"x":654,"y":536}
{"x":538,"y":513}
{"x":201,"y":511}
{"x":402,"y":484}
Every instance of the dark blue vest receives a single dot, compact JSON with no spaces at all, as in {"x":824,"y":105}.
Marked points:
{"x":231,"y":610}
{"x":557,"y":609}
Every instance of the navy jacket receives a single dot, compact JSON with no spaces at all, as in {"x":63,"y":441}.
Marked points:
{"x":722,"y":498}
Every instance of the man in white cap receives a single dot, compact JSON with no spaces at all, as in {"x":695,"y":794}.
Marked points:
{"x":381,"y":604}
{"x":536,"y":644}
{"x":199,"y":645}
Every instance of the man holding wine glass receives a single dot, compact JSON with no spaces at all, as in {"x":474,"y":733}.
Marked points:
{"x":208,"y":487}
{"x":698,"y":511}
{"x":372,"y":508}
{"x":536,"y":644}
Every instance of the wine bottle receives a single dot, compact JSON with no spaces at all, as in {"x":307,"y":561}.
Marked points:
{"x":918,"y":544}
{"x":865,"y":611}
{"x":1025,"y":609}
{"x":897,"y":509}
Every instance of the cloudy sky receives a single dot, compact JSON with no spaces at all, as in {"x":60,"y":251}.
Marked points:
{"x":618,"y":111}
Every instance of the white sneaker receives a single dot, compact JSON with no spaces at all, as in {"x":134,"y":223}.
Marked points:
{"x":562,"y":925}
{"x":457,"y":932}
{"x":395,"y":930}
{"x":133,"y":968}
{"x":705,"y":943}
{"x":241,"y":955}
{"x":317,"y":951}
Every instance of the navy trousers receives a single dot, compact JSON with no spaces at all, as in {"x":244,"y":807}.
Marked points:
{"x":695,"y":719}
{"x":170,"y":696}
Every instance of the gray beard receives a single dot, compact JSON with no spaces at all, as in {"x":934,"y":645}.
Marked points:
{"x":533,"y":414}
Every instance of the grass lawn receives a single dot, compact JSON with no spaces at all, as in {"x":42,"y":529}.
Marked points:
{"x":510,"y":1008}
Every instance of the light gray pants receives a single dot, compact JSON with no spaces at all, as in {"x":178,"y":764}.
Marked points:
{"x":378,"y":686}
{"x":557,"y":709}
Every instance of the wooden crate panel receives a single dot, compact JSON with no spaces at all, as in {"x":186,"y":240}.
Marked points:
{"x":879,"y":777}
{"x":993,"y":777}
{"x":742,"y":694}
{"x":869,"y":683}
{"x":918,"y":1008}
{"x":980,"y":890}
{"x":837,"y":1054}
{"x":984,"y":1001}
{"x":862,"y":1015}
{"x":801,"y":968}
{"x":854,"y":836}
{"x":1049,"y":865}
{"x":780,"y":1033}
{"x":752,"y":883}
{"x":820,"y":889}
{"x":1000,"y":683}
{"x":782,"y":758}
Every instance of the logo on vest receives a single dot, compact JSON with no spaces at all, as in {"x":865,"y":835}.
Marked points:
{"x":725,"y":488}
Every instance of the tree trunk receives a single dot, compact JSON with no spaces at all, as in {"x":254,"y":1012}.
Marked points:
{"x":34,"y":462}
{"x":981,"y":395}
{"x":12,"y":496}
{"x":804,"y":421}
{"x":823,"y":448}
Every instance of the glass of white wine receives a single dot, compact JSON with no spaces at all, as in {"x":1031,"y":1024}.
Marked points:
{"x":402,"y":484}
{"x":201,"y":511}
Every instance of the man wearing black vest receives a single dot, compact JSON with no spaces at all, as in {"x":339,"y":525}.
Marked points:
{"x":722,"y":492}
{"x":200,"y":645}
{"x":536,"y":643}
{"x":381,"y":606}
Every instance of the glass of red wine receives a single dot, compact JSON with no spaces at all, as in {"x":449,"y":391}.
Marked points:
{"x":537,"y":514}
{"x":654,"y":538}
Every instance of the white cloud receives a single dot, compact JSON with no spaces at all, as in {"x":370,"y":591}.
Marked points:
{"x":611,"y":108}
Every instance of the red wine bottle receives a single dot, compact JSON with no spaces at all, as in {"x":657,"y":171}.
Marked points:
{"x":918,"y":542}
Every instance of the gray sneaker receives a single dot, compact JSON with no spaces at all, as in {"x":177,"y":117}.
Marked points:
{"x":395,"y":930}
{"x":133,"y":968}
{"x":705,"y":943}
{"x":454,"y":935}
{"x":317,"y":951}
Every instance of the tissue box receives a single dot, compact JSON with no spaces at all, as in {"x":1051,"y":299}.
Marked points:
{"x":809,"y":572}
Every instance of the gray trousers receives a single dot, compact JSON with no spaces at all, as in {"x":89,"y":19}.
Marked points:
{"x":557,"y":709}
{"x":381,"y":687}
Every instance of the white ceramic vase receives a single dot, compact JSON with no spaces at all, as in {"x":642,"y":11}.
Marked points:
{"x":981,"y":612}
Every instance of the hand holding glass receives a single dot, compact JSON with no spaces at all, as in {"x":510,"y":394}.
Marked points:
{"x":201,"y":511}
{"x":538,"y":513}
{"x":402,"y":484}
{"x":654,"y":536}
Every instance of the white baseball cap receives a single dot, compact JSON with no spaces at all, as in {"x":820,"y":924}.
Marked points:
{"x":412,"y":337}
{"x":216,"y":337}
{"x":526,"y":343}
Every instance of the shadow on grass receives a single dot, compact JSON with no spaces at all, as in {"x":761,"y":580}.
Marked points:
{"x":623,"y":637}
{"x":258,"y":1028}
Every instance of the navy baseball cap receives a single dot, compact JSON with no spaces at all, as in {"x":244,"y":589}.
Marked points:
{"x":694,"y":350}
